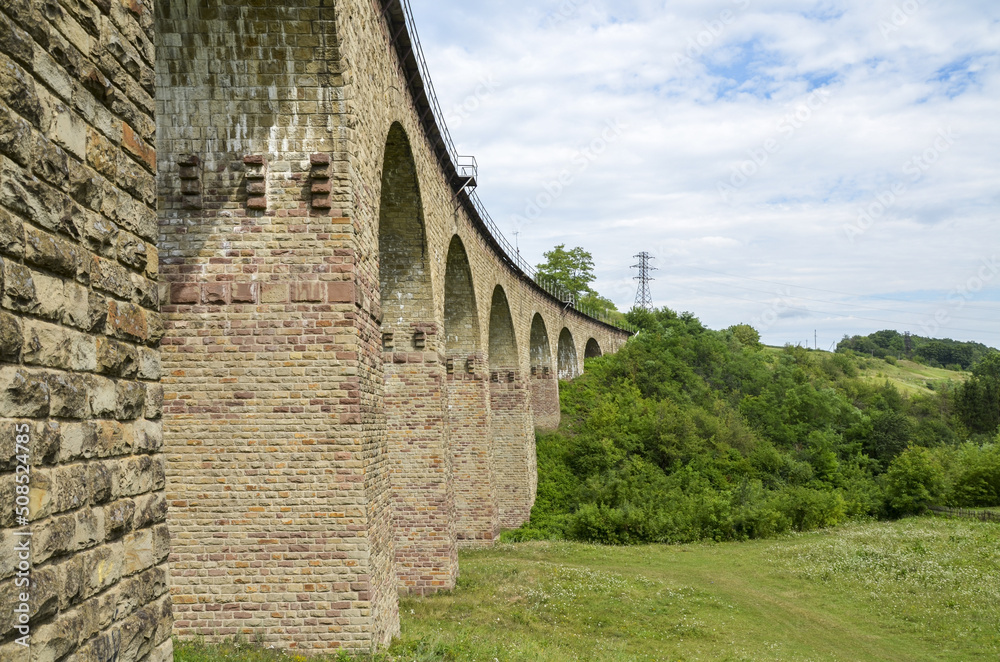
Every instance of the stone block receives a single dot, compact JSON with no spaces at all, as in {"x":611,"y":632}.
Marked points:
{"x":54,"y":641}
{"x":17,"y":88}
{"x":132,"y":251}
{"x":274,"y":293}
{"x":102,"y":155}
{"x":116,"y":358}
{"x":103,"y":397}
{"x":16,"y":42}
{"x":145,"y":292}
{"x":89,"y":523}
{"x":244,"y":292}
{"x":19,"y":288}
{"x":149,"y":366}
{"x":77,"y":441}
{"x":341,"y":292}
{"x":99,"y":483}
{"x":150,"y":509}
{"x":70,"y":487}
{"x":54,"y":346}
{"x":112,"y":278}
{"x":184,"y":293}
{"x":57,"y":255}
{"x":154,"y":329}
{"x":56,"y":538}
{"x":97,"y":312}
{"x":101,"y":235}
{"x":69,"y":396}
{"x":45,"y":440}
{"x":50,"y":162}
{"x":154,"y":402}
{"x":130,"y":400}
{"x":215,"y":294}
{"x":46,"y":587}
{"x":23,"y":393}
{"x":69,"y":131}
{"x":76,"y":306}
{"x":85,"y":186}
{"x":118,"y":518}
{"x":11,"y":340}
{"x":102,"y":568}
{"x":138,"y":148}
{"x":36,"y":200}
{"x":50,"y":293}
{"x":127,"y":321}
{"x":307,"y":292}
{"x":11,"y":233}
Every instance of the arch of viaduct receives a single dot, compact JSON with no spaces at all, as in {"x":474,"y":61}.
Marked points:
{"x":351,"y":368}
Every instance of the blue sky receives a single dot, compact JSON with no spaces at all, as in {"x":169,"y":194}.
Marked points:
{"x":829,"y":166}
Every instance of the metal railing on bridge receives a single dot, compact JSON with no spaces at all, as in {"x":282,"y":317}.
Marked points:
{"x":466,"y":168}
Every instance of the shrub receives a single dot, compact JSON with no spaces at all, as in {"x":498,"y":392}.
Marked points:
{"x":914,"y":481}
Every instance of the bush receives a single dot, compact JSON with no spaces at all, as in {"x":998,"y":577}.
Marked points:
{"x":976,"y":483}
{"x":688,"y":434}
{"x":914,"y":481}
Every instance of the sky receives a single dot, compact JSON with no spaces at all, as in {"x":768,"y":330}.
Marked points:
{"x":814,"y":169}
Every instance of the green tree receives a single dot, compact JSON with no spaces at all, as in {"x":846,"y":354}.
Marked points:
{"x":572,"y":270}
{"x":747,"y":335}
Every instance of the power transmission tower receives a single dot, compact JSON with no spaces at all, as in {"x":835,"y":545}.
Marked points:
{"x":643,"y":299}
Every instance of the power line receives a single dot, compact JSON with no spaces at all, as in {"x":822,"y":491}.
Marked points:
{"x":643,"y":298}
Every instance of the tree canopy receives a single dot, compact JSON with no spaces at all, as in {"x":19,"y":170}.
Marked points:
{"x":573,"y":270}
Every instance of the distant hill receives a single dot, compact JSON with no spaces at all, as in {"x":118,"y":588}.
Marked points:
{"x":934,"y":352}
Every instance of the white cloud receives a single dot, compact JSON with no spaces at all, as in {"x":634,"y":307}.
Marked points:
{"x":891,"y":77}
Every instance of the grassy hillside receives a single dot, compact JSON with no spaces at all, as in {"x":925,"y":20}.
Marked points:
{"x":910,"y":377}
{"x":916,"y":589}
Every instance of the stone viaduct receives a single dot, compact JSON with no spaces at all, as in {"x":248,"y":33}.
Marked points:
{"x":254,"y":323}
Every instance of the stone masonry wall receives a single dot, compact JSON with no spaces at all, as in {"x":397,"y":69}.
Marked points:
{"x":278,"y":471}
{"x":79,"y":334}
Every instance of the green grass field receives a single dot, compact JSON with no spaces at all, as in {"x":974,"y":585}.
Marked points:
{"x":910,"y":377}
{"x":918,"y":589}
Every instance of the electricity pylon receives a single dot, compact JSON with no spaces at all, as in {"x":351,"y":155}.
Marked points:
{"x":643,"y":299}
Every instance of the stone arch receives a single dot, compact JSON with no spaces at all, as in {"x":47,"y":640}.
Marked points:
{"x":477,"y":520}
{"x":569,"y":362}
{"x":541,"y":352}
{"x":503,"y":342}
{"x":415,"y":404}
{"x":404,"y":274}
{"x":512,"y":427}
{"x":593,"y":349}
{"x":461,"y":320}
{"x":544,"y":385}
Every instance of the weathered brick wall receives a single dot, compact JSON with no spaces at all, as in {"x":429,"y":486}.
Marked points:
{"x":278,"y":471}
{"x":79,"y":331}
